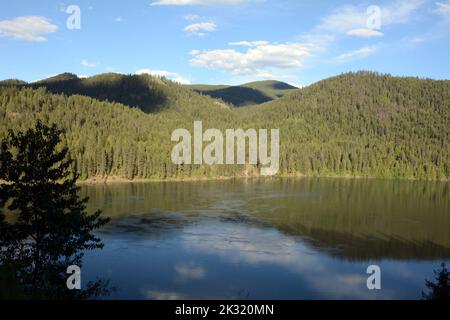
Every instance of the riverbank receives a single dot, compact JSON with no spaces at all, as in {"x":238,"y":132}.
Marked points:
{"x":120,"y":180}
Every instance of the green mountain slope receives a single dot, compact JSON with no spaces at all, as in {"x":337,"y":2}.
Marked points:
{"x":152,"y":94}
{"x":148,"y":93}
{"x":271,"y":88}
{"x":246,"y":94}
{"x":12,"y":82}
{"x":362,"y":124}
{"x":366,"y":124}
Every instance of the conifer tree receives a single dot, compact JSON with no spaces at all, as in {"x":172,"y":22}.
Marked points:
{"x":440,"y":289}
{"x":49,"y":228}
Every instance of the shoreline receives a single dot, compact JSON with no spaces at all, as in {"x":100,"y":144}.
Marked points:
{"x":121,"y":180}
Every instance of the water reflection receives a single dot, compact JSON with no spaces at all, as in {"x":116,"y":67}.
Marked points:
{"x":290,"y":239}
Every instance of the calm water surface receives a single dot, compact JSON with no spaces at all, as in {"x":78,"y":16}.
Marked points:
{"x":270,"y":239}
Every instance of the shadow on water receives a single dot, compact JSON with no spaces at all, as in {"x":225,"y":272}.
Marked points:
{"x":363,"y":248}
{"x":348,"y":219}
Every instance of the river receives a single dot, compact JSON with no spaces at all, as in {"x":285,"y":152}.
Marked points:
{"x":310,"y":238}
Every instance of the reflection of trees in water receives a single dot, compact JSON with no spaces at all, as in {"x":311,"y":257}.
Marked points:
{"x":364,"y":219}
{"x":362,"y":248}
{"x":124,"y":199}
{"x":355,"y":219}
{"x":46,"y":228}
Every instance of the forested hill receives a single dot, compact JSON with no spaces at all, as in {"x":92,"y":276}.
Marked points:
{"x":246,"y":94}
{"x":148,"y":93}
{"x":153,"y":94}
{"x":356,"y":124}
{"x":374,"y":124}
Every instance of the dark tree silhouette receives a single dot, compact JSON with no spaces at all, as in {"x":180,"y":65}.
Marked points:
{"x":46,"y":227}
{"x":440,"y":289}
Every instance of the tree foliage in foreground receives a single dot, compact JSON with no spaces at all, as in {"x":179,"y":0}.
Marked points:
{"x":440,"y":289}
{"x":44,"y":225}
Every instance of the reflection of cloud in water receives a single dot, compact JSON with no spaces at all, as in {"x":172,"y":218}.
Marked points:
{"x":165,"y":295}
{"x":174,"y":295}
{"x":246,"y":244}
{"x":351,"y":280}
{"x":189,"y":271}
{"x":255,"y":244}
{"x":178,"y":295}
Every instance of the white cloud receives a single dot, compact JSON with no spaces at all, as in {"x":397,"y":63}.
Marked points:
{"x":27,"y":28}
{"x":201,"y":28}
{"x":166,"y":74}
{"x":355,"y":21}
{"x":357,"y":54}
{"x":443,"y":8}
{"x":248,"y":43}
{"x":365,"y":33}
{"x":191,"y":17}
{"x":194,"y":52}
{"x":414,"y":40}
{"x":351,"y":17}
{"x":401,"y":11}
{"x":259,"y":59}
{"x":318,"y":41}
{"x":86,"y":64}
{"x":119,"y":19}
{"x":193,"y":2}
{"x":344,"y":19}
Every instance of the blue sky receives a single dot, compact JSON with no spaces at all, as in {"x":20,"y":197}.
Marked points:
{"x":225,"y":41}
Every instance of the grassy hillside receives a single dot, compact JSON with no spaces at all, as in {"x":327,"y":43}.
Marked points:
{"x":271,"y":88}
{"x":361,"y":124}
{"x":246,"y":94}
{"x":207,"y":87}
